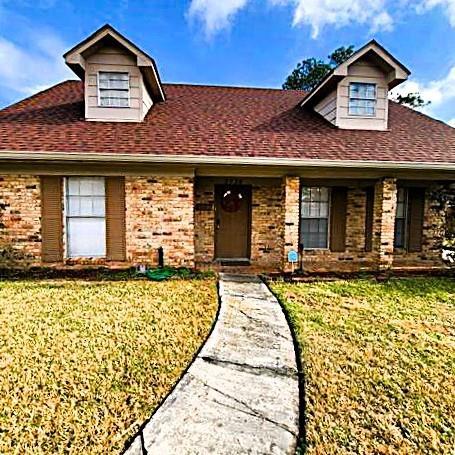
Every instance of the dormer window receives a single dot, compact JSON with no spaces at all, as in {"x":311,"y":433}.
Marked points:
{"x":362,"y":99}
{"x":114,"y":89}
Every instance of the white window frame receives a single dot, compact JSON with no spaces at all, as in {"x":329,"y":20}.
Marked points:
{"x":100,"y":89}
{"x":329,"y":211}
{"x":405,"y":219}
{"x":358,"y":98}
{"x":66,"y":217}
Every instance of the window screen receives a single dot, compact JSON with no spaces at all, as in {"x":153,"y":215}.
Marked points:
{"x":85,"y":217}
{"x":362,"y":99}
{"x":314,"y":225}
{"x":114,"y":89}
{"x":401,"y":218}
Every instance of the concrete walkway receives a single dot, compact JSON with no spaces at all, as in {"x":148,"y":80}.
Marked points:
{"x":241,"y":393}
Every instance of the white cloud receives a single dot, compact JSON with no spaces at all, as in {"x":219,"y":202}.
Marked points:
{"x":447,"y":5}
{"x":339,"y":13}
{"x":33,"y":65}
{"x":218,"y":14}
{"x":215,"y":14}
{"x":438,"y":92}
{"x":382,"y":22}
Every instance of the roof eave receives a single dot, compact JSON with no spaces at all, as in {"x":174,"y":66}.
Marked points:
{"x":11,"y":155}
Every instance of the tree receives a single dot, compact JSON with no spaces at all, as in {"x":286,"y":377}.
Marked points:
{"x":412,"y":100}
{"x":443,"y":198}
{"x":340,"y":55}
{"x":308,"y":73}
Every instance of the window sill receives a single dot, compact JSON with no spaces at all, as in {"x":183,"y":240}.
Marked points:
{"x":85,"y":258}
{"x":309,"y":250}
{"x":361,"y":116}
{"x":114,"y":107}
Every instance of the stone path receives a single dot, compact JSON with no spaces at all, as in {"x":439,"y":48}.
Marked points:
{"x":241,"y":393}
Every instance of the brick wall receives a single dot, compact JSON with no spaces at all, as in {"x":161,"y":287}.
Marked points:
{"x":385,"y":203}
{"x":159,"y":212}
{"x":204,"y":221}
{"x":20,"y":224}
{"x":433,"y":227}
{"x":267,"y":225}
{"x":355,"y":258}
{"x":174,"y":213}
{"x":291,"y":215}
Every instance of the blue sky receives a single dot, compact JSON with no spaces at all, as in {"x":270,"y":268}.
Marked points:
{"x":231,"y":42}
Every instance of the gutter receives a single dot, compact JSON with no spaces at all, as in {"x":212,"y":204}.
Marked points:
{"x":221,"y":160}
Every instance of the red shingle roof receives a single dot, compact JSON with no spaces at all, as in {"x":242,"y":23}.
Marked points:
{"x":220,"y":121}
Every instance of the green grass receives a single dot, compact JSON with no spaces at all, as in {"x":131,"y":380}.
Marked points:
{"x":83,"y":364}
{"x":379,"y":364}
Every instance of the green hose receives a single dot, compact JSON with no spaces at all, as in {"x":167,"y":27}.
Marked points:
{"x":159,"y":274}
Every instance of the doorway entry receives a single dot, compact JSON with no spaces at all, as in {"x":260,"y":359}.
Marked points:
{"x":232,"y":222}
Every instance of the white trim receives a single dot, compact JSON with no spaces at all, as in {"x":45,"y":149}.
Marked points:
{"x":99,"y":92}
{"x":375,"y":99}
{"x":66,"y":218}
{"x":405,"y":219}
{"x":64,"y":213}
{"x":329,"y":218}
{"x":217,"y":160}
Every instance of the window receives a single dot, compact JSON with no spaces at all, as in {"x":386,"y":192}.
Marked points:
{"x":401,"y":218}
{"x":362,"y":99}
{"x":85,"y":217}
{"x":114,"y":89}
{"x":314,"y":226}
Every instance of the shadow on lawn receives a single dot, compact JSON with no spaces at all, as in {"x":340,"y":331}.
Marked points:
{"x":302,"y":437}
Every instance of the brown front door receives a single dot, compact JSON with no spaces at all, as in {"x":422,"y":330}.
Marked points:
{"x":232,"y":221}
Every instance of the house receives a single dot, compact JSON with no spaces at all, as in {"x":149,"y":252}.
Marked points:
{"x":109,"y":168}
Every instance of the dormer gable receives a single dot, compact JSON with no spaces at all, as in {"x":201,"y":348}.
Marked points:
{"x":121,"y":82}
{"x":354,"y":95}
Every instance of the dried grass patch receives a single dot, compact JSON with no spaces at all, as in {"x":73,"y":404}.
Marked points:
{"x":379,"y":364}
{"x":83,"y":364}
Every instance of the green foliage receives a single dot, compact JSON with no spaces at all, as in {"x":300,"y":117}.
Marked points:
{"x":413,"y":100}
{"x":12,"y":257}
{"x":340,"y":55}
{"x":308,"y":73}
{"x":443,"y":198}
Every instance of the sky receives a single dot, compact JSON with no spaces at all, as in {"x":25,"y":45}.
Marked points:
{"x":232,"y":42}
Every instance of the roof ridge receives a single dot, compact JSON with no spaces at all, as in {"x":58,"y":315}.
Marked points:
{"x":237,"y":87}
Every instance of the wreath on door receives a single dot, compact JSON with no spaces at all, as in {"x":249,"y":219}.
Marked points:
{"x":231,"y":201}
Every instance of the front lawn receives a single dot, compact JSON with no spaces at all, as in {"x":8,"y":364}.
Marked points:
{"x":83,"y":364}
{"x":379,"y":364}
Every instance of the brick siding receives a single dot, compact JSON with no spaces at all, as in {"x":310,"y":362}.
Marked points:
{"x":20,"y":220}
{"x":177,"y":213}
{"x":354,"y":258}
{"x":291,"y":215}
{"x":159,"y":212}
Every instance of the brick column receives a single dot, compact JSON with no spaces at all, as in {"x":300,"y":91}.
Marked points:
{"x":385,"y":202}
{"x":291,"y":196}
